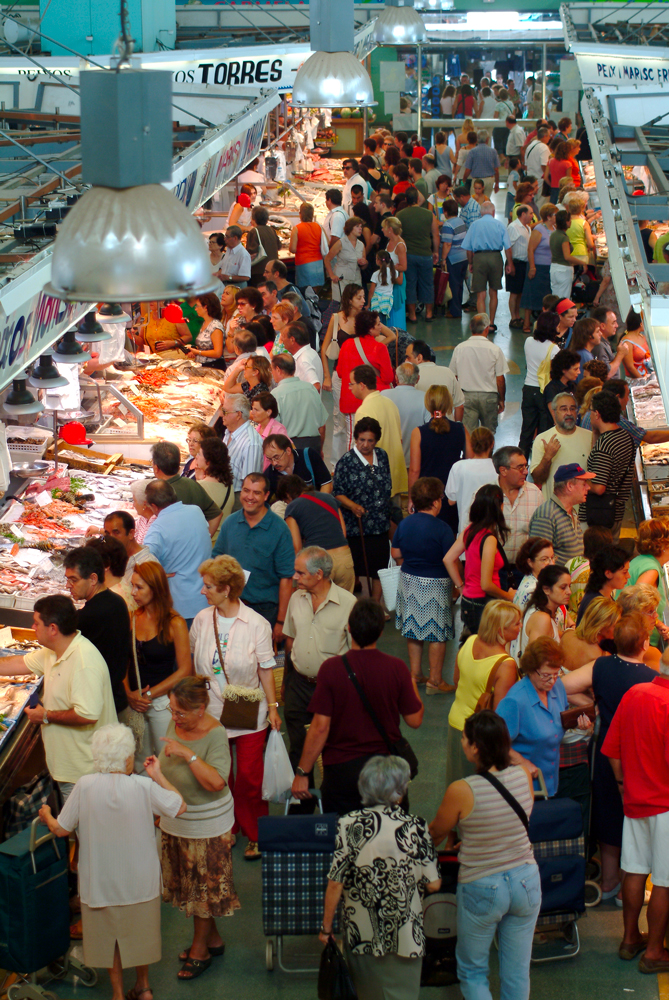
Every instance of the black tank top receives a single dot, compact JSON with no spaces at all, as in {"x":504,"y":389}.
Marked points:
{"x":156,"y":662}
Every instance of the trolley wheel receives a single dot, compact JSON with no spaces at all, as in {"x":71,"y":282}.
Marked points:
{"x":593,"y":893}
{"x":13,"y":991}
{"x":49,"y":996}
{"x":87,"y":976}
{"x":593,"y":869}
{"x":269,"y":956}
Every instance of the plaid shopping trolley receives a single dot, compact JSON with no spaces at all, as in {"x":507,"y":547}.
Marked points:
{"x":296,"y":857}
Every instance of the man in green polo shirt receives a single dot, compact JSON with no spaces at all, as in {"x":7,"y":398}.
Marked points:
{"x":166,"y":462}
{"x":262,"y":545}
{"x":420,"y":232}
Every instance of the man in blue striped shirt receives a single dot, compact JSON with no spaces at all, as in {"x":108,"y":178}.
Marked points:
{"x":453,"y":257}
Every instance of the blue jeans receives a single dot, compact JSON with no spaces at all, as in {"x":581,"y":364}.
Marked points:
{"x":507,"y":903}
{"x":456,"y":279}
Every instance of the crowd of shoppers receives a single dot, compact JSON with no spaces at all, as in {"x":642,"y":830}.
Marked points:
{"x":256,"y":547}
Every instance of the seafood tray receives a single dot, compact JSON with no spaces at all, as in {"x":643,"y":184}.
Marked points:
{"x":86,"y":459}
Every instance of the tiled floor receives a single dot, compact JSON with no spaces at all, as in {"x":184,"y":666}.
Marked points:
{"x":595,"y":973}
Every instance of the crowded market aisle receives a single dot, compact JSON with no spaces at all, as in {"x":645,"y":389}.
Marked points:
{"x":596,"y":972}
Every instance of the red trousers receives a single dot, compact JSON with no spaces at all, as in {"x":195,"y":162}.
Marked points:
{"x":246,"y":785}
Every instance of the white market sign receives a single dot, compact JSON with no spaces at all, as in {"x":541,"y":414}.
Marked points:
{"x":604,"y":70}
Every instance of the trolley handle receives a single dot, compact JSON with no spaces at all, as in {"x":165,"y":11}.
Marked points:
{"x":36,"y":841}
{"x":543,"y":791}
{"x":315,"y":793}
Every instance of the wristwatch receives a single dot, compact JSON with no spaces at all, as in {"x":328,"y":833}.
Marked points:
{"x":148,"y":694}
{"x":45,"y":718}
{"x":191,"y":760}
{"x":273,"y":704}
{"x":302,"y":773}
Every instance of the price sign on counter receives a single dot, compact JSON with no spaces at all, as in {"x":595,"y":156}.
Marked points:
{"x":6,"y":637}
{"x":43,"y":499}
{"x":13,"y":514}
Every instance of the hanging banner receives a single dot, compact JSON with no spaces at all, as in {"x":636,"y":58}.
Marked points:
{"x":628,"y":69}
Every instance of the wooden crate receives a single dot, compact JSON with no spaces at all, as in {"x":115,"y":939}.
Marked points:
{"x":111,"y":461}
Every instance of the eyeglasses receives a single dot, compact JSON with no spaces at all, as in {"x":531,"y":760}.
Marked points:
{"x":547,"y":675}
{"x":178,"y":715}
{"x":520,"y":468}
{"x":273,"y":459}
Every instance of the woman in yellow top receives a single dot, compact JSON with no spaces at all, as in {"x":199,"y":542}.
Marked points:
{"x":158,"y":335}
{"x":579,"y":233}
{"x":479,"y":656}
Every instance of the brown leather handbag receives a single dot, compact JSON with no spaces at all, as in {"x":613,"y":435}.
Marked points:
{"x":488,"y":697}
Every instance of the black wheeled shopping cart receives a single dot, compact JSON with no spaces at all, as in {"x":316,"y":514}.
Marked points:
{"x":556,"y":833}
{"x":296,"y":857}
{"x":35,"y":913}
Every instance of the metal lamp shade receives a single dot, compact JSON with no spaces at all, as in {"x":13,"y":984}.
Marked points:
{"x":20,"y":402}
{"x":332,"y":80}
{"x":110,"y":312}
{"x":45,"y":375}
{"x":89,"y":330}
{"x":69,"y":352}
{"x":135,"y":244}
{"x":399,"y":26}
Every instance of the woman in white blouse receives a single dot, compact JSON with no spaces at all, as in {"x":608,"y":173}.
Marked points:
{"x":230,"y":631}
{"x":119,"y":870}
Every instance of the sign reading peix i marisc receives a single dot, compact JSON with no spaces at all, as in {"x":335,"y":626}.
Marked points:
{"x":628,"y":71}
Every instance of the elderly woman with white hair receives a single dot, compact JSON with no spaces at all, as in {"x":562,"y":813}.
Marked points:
{"x":384,"y":860}
{"x":112,"y":811}
{"x":144,"y":513}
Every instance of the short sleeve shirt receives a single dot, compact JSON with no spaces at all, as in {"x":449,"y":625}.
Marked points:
{"x":321,"y":634}
{"x":535,"y":729}
{"x":477,"y":363}
{"x":265,"y":550}
{"x":78,"y":680}
{"x":453,"y":231}
{"x":387,"y":683}
{"x":317,"y":517}
{"x":612,"y":459}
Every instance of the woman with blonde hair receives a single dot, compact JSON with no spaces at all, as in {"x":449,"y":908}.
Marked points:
{"x":482,"y":664}
{"x":645,"y":599}
{"x":462,"y":138}
{"x":305,"y":243}
{"x":281,"y":316}
{"x":257,"y":378}
{"x":584,"y":392}
{"x":438,"y":445}
{"x":593,"y":636}
{"x":232,"y":647}
{"x":396,"y":247}
{"x":579,"y":233}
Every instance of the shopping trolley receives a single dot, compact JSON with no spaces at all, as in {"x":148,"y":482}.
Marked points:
{"x":296,"y":857}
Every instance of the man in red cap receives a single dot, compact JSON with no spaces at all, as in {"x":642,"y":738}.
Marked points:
{"x":567,"y":311}
{"x":556,"y":519}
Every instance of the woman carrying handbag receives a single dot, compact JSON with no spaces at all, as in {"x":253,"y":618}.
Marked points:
{"x":232,"y":646}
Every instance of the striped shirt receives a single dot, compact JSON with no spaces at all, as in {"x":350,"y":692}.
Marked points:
{"x":482,"y":161}
{"x":470,"y":212}
{"x":493,"y":836}
{"x":453,"y":231}
{"x":612,"y":459}
{"x":245,"y":452}
{"x":638,"y":433}
{"x":552,"y":521}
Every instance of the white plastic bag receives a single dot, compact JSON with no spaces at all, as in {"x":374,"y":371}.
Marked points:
{"x":278,"y":775}
{"x":390,"y":579}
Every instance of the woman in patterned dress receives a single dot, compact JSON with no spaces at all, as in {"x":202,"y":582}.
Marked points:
{"x":425,"y":590}
{"x":383,"y":864}
{"x":362,"y":485}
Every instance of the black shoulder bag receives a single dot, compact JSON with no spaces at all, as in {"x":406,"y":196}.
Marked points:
{"x":506,"y":794}
{"x":402,"y":747}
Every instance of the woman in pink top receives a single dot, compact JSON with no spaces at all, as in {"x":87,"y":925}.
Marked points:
{"x":264,"y":412}
{"x":482,"y":542}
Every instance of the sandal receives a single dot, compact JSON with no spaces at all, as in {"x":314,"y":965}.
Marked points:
{"x":252,"y":853}
{"x":214,"y":951}
{"x":135,"y":994}
{"x":194,"y":966}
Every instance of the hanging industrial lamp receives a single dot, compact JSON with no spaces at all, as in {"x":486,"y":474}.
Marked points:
{"x":89,"y":330}
{"x":128,"y":238}
{"x":332,"y":77}
{"x":20,"y":401}
{"x":111,"y":312}
{"x":45,"y":375}
{"x":399,"y":24}
{"x":69,"y":352}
